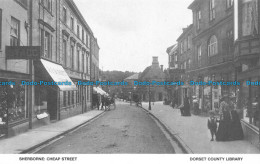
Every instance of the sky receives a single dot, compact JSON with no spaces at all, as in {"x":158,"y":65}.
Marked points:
{"x":131,"y":32}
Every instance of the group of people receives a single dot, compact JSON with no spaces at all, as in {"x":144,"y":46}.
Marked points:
{"x":228,"y":126}
{"x":103,"y":102}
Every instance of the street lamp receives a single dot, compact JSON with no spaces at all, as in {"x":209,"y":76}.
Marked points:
{"x":150,"y":108}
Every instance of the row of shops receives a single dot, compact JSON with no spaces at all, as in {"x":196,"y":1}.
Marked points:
{"x":50,"y":102}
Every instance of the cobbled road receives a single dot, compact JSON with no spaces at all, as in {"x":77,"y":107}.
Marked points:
{"x":127,"y":129}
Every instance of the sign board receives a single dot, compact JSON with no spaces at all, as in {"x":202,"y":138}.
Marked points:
{"x":23,"y":52}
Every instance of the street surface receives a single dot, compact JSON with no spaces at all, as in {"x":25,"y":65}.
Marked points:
{"x":127,"y":129}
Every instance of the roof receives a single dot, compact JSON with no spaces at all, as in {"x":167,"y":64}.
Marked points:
{"x":147,"y":69}
{"x":186,"y":30}
{"x":133,"y":77}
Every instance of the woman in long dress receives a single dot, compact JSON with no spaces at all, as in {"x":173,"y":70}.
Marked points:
{"x":236,"y":131}
{"x":224,"y":127}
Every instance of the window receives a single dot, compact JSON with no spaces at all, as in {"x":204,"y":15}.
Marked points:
{"x":184,"y":65}
{"x":64,"y":15}
{"x":88,"y":64}
{"x":78,"y":31}
{"x":250,"y":17}
{"x":64,"y":52}
{"x":46,"y":44}
{"x":69,"y":97}
{"x":77,"y":60}
{"x":188,"y":63}
{"x":213,"y":46}
{"x":198,"y":19}
{"x":185,"y":44}
{"x":182,"y":47}
{"x":72,"y":55}
{"x":72,"y":23}
{"x":229,"y":3}
{"x":212,"y":11}
{"x":49,"y":5}
{"x":87,"y":40}
{"x":83,"y":36}
{"x":199,"y":55}
{"x":189,"y":42}
{"x":15,"y":32}
{"x":0,"y":28}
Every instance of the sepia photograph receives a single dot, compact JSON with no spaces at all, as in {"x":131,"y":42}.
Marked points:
{"x":123,"y":78}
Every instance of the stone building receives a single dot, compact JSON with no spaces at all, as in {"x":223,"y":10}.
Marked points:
{"x":213,"y":46}
{"x":14,"y":102}
{"x":185,"y":58}
{"x":67,"y":51}
{"x":150,"y":74}
{"x":247,"y":65}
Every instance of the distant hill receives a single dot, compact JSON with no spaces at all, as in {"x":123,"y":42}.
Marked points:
{"x":116,"y":75}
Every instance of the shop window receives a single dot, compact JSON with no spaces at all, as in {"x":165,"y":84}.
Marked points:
{"x":15,"y":32}
{"x":250,"y":17}
{"x":69,"y":97}
{"x":212,"y":46}
{"x":13,"y":100}
{"x":72,"y":98}
{"x":64,"y":98}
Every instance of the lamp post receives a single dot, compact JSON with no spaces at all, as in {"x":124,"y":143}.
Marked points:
{"x":149,"y":90}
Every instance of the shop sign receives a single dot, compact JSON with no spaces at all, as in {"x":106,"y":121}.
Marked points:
{"x":23,"y":52}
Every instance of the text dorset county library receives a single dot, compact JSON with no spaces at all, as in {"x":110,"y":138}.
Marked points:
{"x":216,"y":159}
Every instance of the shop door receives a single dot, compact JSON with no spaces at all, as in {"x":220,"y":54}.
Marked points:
{"x":52,"y":103}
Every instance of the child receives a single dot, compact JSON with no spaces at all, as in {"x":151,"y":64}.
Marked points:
{"x":212,"y":125}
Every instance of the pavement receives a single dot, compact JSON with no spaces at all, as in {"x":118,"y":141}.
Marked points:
{"x":127,"y":129}
{"x":35,"y":137}
{"x":192,"y":133}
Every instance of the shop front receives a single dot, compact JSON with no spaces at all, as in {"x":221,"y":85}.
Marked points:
{"x":49,"y":95}
{"x":13,"y":104}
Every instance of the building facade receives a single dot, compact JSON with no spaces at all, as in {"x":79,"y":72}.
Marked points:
{"x":65,"y":55}
{"x":225,"y":48}
{"x":247,"y":65}
{"x":14,"y":31}
{"x":213,"y":47}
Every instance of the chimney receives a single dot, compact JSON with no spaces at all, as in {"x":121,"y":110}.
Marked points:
{"x":161,"y":67}
{"x":155,"y":62}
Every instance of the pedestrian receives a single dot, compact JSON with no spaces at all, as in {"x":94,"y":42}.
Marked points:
{"x":236,"y":131}
{"x":102,"y":102}
{"x":186,"y":111}
{"x":212,"y":125}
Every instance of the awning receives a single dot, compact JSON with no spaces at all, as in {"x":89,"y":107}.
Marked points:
{"x":100,"y":91}
{"x":58,"y":74}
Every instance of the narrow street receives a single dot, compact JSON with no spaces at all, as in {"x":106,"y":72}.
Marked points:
{"x":125,"y":130}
